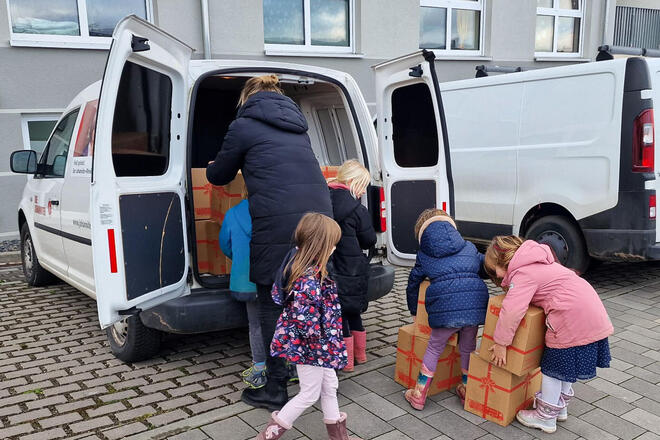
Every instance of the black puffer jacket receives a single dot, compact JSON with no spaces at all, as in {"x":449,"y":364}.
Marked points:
{"x":350,"y":267}
{"x":268,"y":142}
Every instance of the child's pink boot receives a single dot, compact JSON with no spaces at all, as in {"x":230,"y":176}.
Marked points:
{"x":360,"y":341}
{"x":274,"y":429}
{"x":417,"y":396}
{"x":350,"y":366}
{"x":543,"y":416}
{"x":337,"y":429}
{"x":563,"y":414}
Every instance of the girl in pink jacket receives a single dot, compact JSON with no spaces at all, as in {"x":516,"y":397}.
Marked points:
{"x":577,"y":323}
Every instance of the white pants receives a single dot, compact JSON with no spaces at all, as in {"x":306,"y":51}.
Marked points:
{"x":315,"y":383}
{"x":552,"y":388}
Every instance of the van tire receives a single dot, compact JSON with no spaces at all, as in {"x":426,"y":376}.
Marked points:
{"x":560,"y":232}
{"x":132,"y":341}
{"x":35,"y":274}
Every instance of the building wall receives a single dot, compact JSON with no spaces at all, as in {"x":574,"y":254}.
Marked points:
{"x":648,"y":4}
{"x":44,"y":79}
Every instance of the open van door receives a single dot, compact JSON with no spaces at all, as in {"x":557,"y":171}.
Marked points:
{"x":137,"y":209}
{"x":414,"y":148}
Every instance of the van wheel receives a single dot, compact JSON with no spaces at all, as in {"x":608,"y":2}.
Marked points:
{"x":564,"y":238}
{"x":35,"y":275}
{"x":131,"y":341}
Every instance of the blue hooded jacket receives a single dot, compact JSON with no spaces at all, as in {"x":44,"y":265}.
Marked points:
{"x":235,"y":243}
{"x":457,"y":296}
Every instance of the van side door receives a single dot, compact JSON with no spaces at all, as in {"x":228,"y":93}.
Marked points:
{"x":137,"y":207}
{"x":413,"y":146}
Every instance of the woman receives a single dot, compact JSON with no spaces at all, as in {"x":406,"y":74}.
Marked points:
{"x":268,"y":142}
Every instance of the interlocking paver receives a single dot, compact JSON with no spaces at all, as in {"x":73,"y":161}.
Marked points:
{"x":238,"y":428}
{"x":414,"y":428}
{"x":612,"y":424}
{"x":644,"y":419}
{"x":454,"y":426}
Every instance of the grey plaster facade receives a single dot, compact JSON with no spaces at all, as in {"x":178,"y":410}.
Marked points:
{"x":43,"y":80}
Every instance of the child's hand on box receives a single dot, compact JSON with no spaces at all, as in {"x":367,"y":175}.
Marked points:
{"x":499,"y":355}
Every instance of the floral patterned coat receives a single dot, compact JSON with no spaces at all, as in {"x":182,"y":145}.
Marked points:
{"x":309,"y":330}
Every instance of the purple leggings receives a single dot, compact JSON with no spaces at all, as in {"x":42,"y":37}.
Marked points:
{"x":467,"y":343}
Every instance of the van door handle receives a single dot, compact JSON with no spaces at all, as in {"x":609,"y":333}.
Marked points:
{"x":54,"y":202}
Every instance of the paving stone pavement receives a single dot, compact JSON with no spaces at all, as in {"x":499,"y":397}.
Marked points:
{"x":58,"y":378}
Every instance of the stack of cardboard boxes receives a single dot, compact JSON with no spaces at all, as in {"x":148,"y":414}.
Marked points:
{"x":411,"y":346}
{"x":211,"y":204}
{"x":495,"y":393}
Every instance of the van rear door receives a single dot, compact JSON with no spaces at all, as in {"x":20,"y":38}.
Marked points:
{"x":654,"y":70}
{"x":413,"y":146}
{"x":138,"y":177}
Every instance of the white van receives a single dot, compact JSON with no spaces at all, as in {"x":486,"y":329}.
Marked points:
{"x":563,"y":154}
{"x":108,"y":206}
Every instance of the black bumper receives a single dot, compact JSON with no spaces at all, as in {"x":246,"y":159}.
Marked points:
{"x":209,"y":310}
{"x":621,"y":244}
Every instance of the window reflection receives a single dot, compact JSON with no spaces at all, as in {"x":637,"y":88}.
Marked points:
{"x":54,"y":17}
{"x":568,"y":34}
{"x":545,"y":28}
{"x":465,"y":29}
{"x":103,"y":15}
{"x":329,"y":22}
{"x":433,"y":28}
{"x":283,"y":22}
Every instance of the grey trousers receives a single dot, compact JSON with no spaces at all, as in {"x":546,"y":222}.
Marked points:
{"x":256,"y":337}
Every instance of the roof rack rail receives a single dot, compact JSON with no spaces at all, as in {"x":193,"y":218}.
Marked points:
{"x":483,"y":70}
{"x":607,"y":52}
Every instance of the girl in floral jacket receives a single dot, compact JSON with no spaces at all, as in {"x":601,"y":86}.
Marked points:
{"x":309,"y":331}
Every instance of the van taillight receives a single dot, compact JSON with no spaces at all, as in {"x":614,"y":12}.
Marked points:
{"x":643,"y":143}
{"x":652,"y":206}
{"x":383,"y":211}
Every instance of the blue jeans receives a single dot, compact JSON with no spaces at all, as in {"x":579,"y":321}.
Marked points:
{"x":256,"y":338}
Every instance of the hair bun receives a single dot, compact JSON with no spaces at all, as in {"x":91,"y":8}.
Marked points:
{"x":269,"y":80}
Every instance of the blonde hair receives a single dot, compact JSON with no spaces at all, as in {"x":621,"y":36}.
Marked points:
{"x":316,"y":237}
{"x":264,"y":83}
{"x":428,"y":214}
{"x":499,"y":253}
{"x":355,"y":175}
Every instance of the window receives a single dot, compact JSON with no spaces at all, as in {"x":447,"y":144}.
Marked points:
{"x":36,"y":129}
{"x":451,"y":26}
{"x":308,"y":25}
{"x":69,"y":23}
{"x":53,"y":161}
{"x":141,"y":123}
{"x":414,"y":131}
{"x":559,"y":27}
{"x":336,"y":135}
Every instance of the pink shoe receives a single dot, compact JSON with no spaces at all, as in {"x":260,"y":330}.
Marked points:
{"x":543,"y":416}
{"x":337,"y":429}
{"x":417,"y":396}
{"x":350,"y":349}
{"x":360,"y":340}
{"x":274,"y":430}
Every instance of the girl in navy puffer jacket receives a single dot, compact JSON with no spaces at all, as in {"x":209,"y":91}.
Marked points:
{"x":456,"y":300}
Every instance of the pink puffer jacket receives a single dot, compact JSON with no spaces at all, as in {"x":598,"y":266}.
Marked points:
{"x":575,"y":314}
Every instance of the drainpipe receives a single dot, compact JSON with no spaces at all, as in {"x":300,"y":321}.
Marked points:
{"x":206,"y":35}
{"x":607,"y":22}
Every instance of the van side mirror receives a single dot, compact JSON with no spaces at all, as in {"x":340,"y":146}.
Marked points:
{"x":24,"y":162}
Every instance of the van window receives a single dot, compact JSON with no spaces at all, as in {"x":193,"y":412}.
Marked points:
{"x":337,"y":138}
{"x":54,"y":162}
{"x":141,"y":124}
{"x":414,"y":130}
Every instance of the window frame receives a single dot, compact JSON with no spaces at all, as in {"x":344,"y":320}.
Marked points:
{"x":478,"y":5}
{"x":82,"y":41}
{"x":556,"y":13}
{"x":308,"y":48}
{"x":25,"y":128}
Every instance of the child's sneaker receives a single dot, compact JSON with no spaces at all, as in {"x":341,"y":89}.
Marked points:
{"x":255,"y":378}
{"x":292,"y":373}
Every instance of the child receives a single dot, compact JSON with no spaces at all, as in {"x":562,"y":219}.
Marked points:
{"x":350,"y":266}
{"x":456,"y":300}
{"x":235,"y":244}
{"x":308,"y":333}
{"x":578,"y":325}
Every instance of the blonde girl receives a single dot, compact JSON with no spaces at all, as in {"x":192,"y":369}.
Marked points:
{"x":350,"y":266}
{"x":308,"y":333}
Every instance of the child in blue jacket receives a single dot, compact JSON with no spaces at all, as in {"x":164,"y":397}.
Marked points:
{"x":456,"y":300}
{"x":234,"y":240}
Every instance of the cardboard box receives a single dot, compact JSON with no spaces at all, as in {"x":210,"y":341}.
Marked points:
{"x":409,"y":355}
{"x":210,"y":258}
{"x":497,"y":395}
{"x":524,"y":353}
{"x":212,"y":202}
{"x":422,"y":327}
{"x":329,"y":172}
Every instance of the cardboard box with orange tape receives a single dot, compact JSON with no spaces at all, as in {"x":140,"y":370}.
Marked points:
{"x":212,"y":202}
{"x":409,"y":354}
{"x":422,"y":327}
{"x":210,"y":258}
{"x":497,"y":395}
{"x":524,"y":353}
